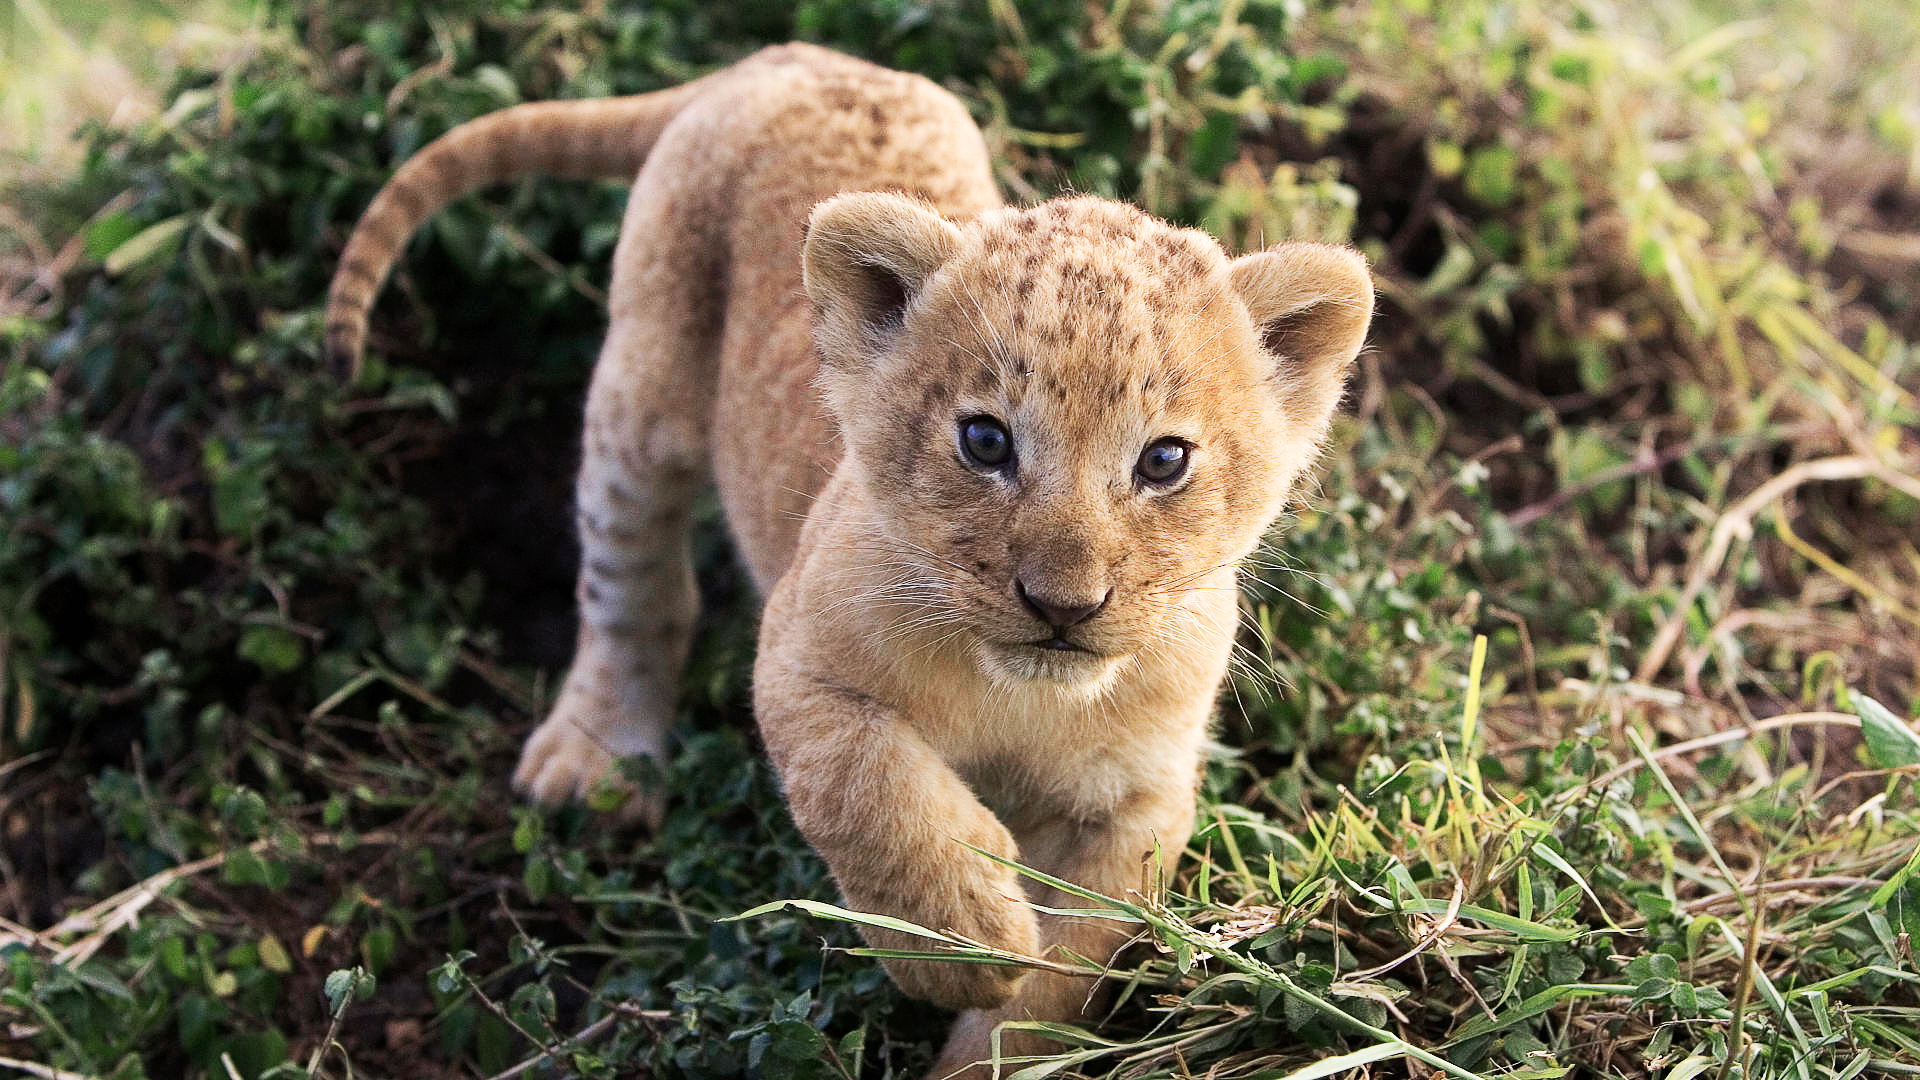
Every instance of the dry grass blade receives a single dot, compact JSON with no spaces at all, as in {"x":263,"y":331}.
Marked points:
{"x":1737,"y":523}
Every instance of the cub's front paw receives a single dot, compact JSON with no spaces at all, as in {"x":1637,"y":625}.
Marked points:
{"x":997,"y":918}
{"x":575,"y":755}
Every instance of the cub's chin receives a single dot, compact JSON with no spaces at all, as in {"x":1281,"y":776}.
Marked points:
{"x":1079,"y":673}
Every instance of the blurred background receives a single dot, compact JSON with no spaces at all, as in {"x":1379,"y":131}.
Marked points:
{"x":1641,"y":416}
{"x":70,"y":63}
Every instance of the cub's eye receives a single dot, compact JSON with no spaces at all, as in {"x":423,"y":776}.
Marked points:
{"x":1163,"y":462}
{"x":985,"y":441}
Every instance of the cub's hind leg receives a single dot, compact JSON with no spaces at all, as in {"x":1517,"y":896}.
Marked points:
{"x":643,"y":462}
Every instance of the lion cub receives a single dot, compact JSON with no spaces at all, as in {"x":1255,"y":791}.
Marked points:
{"x":994,"y":468}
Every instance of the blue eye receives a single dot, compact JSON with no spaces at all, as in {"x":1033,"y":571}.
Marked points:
{"x":985,"y":441}
{"x":1163,"y":462}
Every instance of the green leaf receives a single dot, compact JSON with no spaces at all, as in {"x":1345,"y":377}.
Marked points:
{"x":1492,"y":175}
{"x":376,"y":948}
{"x":99,"y":978}
{"x":537,"y":878}
{"x":1216,"y":143}
{"x":853,"y":1049}
{"x":338,"y":988}
{"x":173,"y":957}
{"x":148,"y":245}
{"x":840,"y":914}
{"x":1890,"y":742}
{"x":271,"y":649}
{"x":244,"y":867}
{"x":273,"y":955}
{"x":1692,"y":1067}
{"x":109,"y":233}
{"x":1894,"y":883}
{"x":251,"y":1054}
{"x":197,"y":1022}
{"x":1553,"y":859}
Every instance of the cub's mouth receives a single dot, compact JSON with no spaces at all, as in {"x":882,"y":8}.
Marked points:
{"x":1058,"y":661}
{"x":1059,"y":643}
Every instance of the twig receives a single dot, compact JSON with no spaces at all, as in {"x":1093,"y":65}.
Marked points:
{"x":1737,"y":522}
{"x":23,"y":761}
{"x":122,"y":909}
{"x":441,"y":67}
{"x":546,"y":1050}
{"x":333,"y":1031}
{"x":1837,"y":881}
{"x":1720,"y":738}
{"x":1639,"y":466}
{"x":1743,"y":989}
{"x":45,"y":1072}
{"x":584,"y":1036}
{"x":532,"y":253}
{"x":1440,"y":928}
{"x":1902,"y":247}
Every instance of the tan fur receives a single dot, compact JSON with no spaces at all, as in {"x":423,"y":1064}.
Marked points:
{"x":815,"y":352}
{"x":607,"y":139}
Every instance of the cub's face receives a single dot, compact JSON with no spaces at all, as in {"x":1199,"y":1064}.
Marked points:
{"x":1073,"y":419}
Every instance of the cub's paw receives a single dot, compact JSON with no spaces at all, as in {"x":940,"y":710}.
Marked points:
{"x":990,"y":918}
{"x":574,"y":756}
{"x":954,"y":985}
{"x":969,"y":1052}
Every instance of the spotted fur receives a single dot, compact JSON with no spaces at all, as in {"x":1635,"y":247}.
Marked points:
{"x":815,"y":353}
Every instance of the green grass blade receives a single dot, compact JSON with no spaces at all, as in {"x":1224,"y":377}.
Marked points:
{"x":840,"y":914}
{"x":1340,"y":1063}
{"x":1537,"y":1005}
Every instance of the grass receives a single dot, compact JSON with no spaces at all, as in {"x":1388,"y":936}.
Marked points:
{"x":1573,"y":727}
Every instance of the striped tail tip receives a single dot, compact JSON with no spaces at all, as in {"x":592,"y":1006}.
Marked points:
{"x":345,"y":346}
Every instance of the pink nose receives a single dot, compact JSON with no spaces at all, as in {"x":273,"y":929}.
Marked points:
{"x":1057,"y":612}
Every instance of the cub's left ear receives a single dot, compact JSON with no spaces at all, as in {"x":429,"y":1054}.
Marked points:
{"x":1310,"y":304}
{"x":866,"y":259}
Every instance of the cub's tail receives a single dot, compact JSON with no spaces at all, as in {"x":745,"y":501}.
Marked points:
{"x":607,"y":138}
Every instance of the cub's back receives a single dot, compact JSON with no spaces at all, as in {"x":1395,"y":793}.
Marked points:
{"x":740,"y":168}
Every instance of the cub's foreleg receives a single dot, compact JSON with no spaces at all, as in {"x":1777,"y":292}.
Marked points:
{"x":885,"y":812}
{"x":643,"y":462}
{"x":1113,"y":857}
{"x":637,"y":604}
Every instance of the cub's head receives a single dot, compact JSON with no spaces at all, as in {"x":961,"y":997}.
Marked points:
{"x":1072,"y":417}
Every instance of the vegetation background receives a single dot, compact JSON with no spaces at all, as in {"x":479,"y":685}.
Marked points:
{"x":1640,"y":413}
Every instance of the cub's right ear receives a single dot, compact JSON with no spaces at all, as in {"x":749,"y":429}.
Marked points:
{"x":1310,"y":305}
{"x":867,"y":257}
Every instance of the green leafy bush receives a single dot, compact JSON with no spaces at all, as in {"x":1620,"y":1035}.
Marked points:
{"x":1639,"y":417}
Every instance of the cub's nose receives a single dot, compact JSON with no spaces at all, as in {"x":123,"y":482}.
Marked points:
{"x":1058,"y":612}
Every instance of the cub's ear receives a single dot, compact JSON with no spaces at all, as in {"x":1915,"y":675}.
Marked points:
{"x":867,"y":257}
{"x":1310,"y":305}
